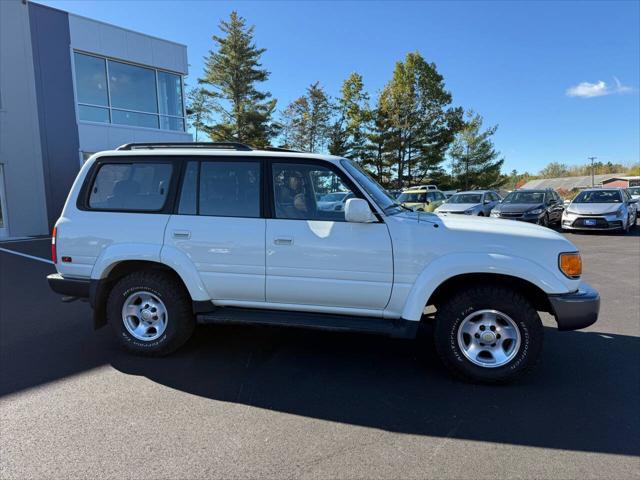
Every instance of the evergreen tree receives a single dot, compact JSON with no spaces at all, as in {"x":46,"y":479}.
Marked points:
{"x":231,"y":74}
{"x":422,"y":123}
{"x":306,"y":121}
{"x":198,"y":110}
{"x":476,"y":163}
{"x":348,"y":131}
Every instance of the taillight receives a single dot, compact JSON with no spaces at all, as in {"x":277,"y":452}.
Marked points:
{"x":54,"y":253}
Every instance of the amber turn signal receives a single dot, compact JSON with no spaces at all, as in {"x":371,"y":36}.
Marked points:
{"x":571,"y":264}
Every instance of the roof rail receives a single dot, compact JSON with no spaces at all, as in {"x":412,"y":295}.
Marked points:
{"x":204,"y":145}
{"x":281,"y":149}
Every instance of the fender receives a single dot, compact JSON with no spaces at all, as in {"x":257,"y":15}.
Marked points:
{"x":182,"y":264}
{"x":448,"y":266}
{"x":121,"y":252}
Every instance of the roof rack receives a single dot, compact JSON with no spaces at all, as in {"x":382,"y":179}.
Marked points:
{"x":204,"y":145}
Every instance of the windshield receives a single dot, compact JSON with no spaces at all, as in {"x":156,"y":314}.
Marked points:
{"x":412,"y":197}
{"x":466,"y":198}
{"x":598,"y":196}
{"x":373,"y":188}
{"x":333,"y":197}
{"x":634,"y":191}
{"x":524,"y":197}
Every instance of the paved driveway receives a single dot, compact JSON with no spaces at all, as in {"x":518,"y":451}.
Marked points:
{"x":256,"y":402}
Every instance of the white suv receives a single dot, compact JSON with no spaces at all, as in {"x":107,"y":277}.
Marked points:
{"x":161,"y":236}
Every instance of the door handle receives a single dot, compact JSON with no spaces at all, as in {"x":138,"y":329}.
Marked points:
{"x":182,"y":234}
{"x":283,"y":241}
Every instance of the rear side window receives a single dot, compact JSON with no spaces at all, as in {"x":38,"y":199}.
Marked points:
{"x":229,"y":189}
{"x":131,"y":186}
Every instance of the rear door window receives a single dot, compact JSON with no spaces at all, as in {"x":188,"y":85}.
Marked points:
{"x":132,"y":186}
{"x":229,"y":189}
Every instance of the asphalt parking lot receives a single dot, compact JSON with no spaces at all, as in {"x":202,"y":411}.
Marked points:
{"x":258,"y":402}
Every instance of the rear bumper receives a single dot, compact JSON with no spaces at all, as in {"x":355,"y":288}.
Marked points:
{"x":70,"y":287}
{"x":577,"y":309}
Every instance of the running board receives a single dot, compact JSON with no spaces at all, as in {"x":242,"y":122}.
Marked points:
{"x":398,"y":328}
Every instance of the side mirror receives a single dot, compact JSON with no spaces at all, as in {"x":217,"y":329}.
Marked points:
{"x":633,"y":200}
{"x":357,"y":210}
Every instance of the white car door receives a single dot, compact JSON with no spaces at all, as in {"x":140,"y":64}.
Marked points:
{"x":219,"y":226}
{"x":315,"y":257}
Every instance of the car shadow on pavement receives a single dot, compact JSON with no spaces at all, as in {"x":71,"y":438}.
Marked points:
{"x":583,"y":395}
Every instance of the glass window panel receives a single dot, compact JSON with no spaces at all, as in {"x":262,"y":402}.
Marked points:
{"x":137,"y":186}
{"x":171,"y":123}
{"x":134,"y":118}
{"x":230,"y":189}
{"x":309,"y":192}
{"x":91,"y":80}
{"x":189,"y":190}
{"x":170,"y":94}
{"x":132,"y":87}
{"x":93,"y":114}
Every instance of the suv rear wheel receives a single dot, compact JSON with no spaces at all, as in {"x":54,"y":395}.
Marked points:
{"x":150,"y":312}
{"x":488,"y":335}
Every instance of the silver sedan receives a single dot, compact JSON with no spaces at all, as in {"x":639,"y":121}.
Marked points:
{"x":601,"y":209}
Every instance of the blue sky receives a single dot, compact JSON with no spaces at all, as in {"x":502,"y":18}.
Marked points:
{"x":561,"y":79}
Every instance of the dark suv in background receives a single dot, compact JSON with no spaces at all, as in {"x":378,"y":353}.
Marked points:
{"x":543,"y":207}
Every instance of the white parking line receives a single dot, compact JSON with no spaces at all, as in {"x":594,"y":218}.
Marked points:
{"x":25,"y":239}
{"x":26,"y":256}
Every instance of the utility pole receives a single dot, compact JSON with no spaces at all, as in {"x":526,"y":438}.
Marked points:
{"x":592,"y":178}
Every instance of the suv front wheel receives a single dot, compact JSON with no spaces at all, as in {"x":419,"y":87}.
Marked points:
{"x":150,"y":312}
{"x":488,"y":335}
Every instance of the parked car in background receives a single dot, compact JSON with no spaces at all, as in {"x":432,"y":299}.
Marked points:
{"x":395,"y":193}
{"x":475,"y":202}
{"x":421,"y":200}
{"x":334,"y":201}
{"x":423,"y":187}
{"x":543,"y":207}
{"x":601,"y":209}
{"x":158,"y":237}
{"x":635,"y":194}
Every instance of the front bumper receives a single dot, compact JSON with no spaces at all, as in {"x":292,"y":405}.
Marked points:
{"x":576,"y":310}
{"x":521,"y":218}
{"x":579,"y":222}
{"x":70,"y":287}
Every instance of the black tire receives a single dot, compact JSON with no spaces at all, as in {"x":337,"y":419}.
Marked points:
{"x":544,"y":222}
{"x":453,"y":311}
{"x":180,"y":318}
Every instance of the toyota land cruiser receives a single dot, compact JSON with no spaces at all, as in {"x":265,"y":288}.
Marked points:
{"x":159,"y":237}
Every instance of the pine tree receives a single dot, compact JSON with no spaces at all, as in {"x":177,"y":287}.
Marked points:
{"x":231,"y":72}
{"x":422,"y":124}
{"x":306,"y":121}
{"x":198,"y":110}
{"x":348,"y":131}
{"x":475,"y":161}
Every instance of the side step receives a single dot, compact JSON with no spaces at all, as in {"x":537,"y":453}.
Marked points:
{"x":398,"y":328}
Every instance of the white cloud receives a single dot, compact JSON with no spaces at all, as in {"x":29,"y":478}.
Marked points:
{"x":598,"y":89}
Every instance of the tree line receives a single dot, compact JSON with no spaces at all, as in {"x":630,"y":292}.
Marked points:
{"x":404,"y":136}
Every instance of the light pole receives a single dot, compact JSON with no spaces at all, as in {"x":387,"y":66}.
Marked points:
{"x":592,"y":179}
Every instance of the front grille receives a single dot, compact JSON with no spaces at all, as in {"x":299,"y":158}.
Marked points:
{"x":510,"y":215}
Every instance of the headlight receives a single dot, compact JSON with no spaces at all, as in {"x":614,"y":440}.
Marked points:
{"x":620,"y":212}
{"x":537,"y":211}
{"x":469,"y":211}
{"x":495,"y":214}
{"x":570,"y":264}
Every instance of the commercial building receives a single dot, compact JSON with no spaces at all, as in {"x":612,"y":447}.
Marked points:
{"x":71,"y":86}
{"x":571,"y":183}
{"x":624,"y":182}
